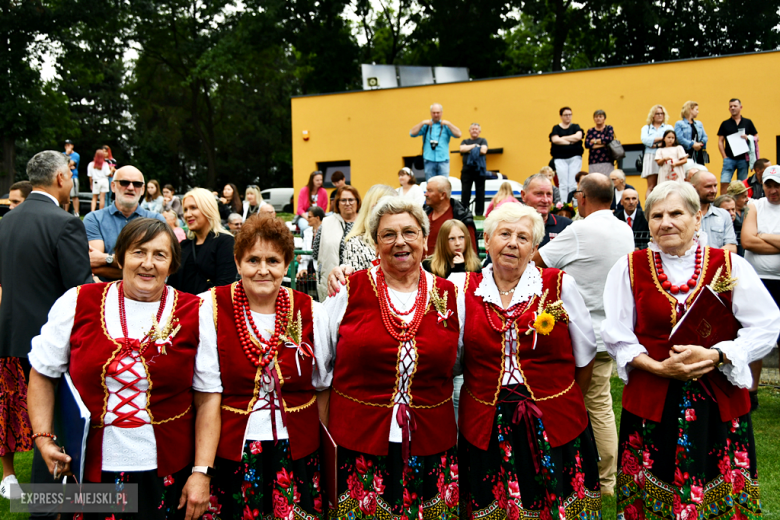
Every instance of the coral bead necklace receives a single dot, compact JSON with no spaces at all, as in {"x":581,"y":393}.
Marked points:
{"x":259,"y":356}
{"x":667,"y":285}
{"x":390,"y":317}
{"x":145,"y":341}
{"x":510,"y":316}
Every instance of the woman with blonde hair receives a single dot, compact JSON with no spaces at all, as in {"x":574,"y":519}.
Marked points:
{"x":360,"y":249}
{"x":690,"y":133}
{"x":502,"y":196}
{"x":252,"y":201}
{"x":207,"y":254}
{"x":653,"y":138}
{"x":454,"y":254}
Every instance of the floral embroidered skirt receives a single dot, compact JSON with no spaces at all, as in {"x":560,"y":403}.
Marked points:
{"x":383,"y":487}
{"x":689,"y":466}
{"x":158,"y":497}
{"x":503,"y":482}
{"x":16,"y":432}
{"x":267,"y":483}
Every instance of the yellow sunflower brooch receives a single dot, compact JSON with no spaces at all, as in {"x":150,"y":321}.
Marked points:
{"x":544,"y":323}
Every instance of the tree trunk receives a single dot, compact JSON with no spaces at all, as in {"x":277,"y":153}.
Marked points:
{"x":206,"y":140}
{"x":560,"y":31}
{"x":7,"y":172}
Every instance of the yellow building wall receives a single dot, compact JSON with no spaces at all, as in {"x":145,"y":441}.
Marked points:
{"x":371,"y":128}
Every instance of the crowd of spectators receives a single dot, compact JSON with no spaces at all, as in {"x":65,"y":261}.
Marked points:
{"x":605,"y":225}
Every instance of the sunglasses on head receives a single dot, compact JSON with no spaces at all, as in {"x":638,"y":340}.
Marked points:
{"x":136,"y":184}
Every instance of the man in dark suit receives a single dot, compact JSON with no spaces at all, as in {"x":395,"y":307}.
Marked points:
{"x":44,"y":253}
{"x":618,"y":179}
{"x":632,"y":214}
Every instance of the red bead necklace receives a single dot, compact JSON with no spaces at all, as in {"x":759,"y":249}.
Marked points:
{"x":510,"y":316}
{"x":391,"y":320}
{"x":684,"y":288}
{"x":259,"y":356}
{"x":144,"y":343}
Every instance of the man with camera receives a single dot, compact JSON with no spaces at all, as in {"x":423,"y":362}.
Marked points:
{"x":436,"y":134}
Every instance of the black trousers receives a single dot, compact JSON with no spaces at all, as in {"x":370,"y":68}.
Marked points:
{"x":467,"y":179}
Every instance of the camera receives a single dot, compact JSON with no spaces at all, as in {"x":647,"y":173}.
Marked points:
{"x":434,"y":144}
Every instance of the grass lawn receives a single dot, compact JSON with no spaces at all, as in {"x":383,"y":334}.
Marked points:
{"x":766,"y":427}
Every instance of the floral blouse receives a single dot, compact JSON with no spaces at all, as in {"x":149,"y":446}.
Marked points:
{"x":599,"y":155}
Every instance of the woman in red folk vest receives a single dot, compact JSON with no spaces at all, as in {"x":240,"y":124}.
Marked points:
{"x":394,"y":329}
{"x":143,"y":357}
{"x":526,"y":449}
{"x":686,"y":447}
{"x":274,"y":341}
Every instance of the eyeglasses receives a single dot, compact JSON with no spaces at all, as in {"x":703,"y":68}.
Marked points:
{"x":136,"y":184}
{"x":576,"y":192}
{"x":348,"y":201}
{"x":390,"y":237}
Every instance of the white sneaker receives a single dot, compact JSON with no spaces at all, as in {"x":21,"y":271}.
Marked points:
{"x":5,"y":488}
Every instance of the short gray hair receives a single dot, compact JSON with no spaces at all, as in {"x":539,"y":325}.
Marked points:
{"x":687,"y":193}
{"x":534,"y":177}
{"x":235,"y":216}
{"x":723,"y":198}
{"x":620,"y":173}
{"x":447,"y":184}
{"x":42,"y":169}
{"x":395,"y":206}
{"x":513,"y":212}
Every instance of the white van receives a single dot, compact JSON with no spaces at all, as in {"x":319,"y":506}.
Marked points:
{"x":278,"y":197}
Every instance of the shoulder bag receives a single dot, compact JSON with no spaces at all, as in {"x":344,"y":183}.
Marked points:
{"x":616,"y":150}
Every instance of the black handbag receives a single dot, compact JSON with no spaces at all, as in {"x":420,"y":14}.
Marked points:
{"x":616,"y":150}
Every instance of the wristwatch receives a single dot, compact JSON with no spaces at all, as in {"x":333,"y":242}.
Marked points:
{"x":206,"y":470}
{"x":720,"y":357}
{"x":109,"y":259}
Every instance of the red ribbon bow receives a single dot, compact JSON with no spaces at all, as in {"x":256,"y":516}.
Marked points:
{"x":405,"y":418}
{"x":526,"y":411}
{"x":443,"y":317}
{"x":129,"y":345}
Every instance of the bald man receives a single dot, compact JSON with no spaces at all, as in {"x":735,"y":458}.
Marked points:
{"x":715,"y":222}
{"x":441,"y":207}
{"x":267,"y":209}
{"x":436,"y":133}
{"x":103,"y":226}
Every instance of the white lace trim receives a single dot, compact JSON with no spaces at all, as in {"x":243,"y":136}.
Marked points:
{"x":738,"y":370}
{"x":530,"y":284}
{"x":626,"y":353}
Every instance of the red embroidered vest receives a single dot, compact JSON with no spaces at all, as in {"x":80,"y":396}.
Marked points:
{"x":170,"y":394}
{"x":656,"y":315}
{"x":366,"y":374}
{"x":241,"y":379}
{"x":547,"y":370}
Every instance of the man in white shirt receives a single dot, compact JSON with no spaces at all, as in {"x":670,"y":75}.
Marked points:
{"x":587,"y":250}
